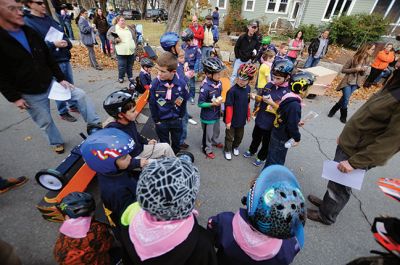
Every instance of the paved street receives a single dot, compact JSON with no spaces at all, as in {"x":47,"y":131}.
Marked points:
{"x":24,"y":151}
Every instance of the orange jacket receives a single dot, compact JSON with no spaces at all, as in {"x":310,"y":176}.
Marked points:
{"x":383,"y":59}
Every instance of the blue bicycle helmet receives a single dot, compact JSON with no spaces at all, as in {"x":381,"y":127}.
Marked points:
{"x":169,"y":40}
{"x":282,"y":67}
{"x":275,"y":204}
{"x":77,"y":204}
{"x":101,"y":149}
{"x":187,"y":35}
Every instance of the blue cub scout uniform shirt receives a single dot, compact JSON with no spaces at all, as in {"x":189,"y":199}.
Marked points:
{"x":192,"y":56}
{"x":165,"y":109}
{"x":208,"y":91}
{"x":239,"y":98}
{"x":266,"y":115}
{"x":145,"y":78}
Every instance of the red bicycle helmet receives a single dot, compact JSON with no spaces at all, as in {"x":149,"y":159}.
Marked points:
{"x":247,"y":71}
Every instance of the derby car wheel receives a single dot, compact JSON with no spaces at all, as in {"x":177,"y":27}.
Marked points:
{"x":50,"y":179}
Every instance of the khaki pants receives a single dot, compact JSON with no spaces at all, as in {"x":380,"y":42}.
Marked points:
{"x":233,"y":138}
{"x":156,"y":151}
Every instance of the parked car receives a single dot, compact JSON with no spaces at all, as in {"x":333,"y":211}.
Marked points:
{"x":132,"y":14}
{"x":157,"y":14}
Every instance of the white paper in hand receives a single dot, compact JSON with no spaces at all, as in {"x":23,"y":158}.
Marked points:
{"x":58,"y":92}
{"x":354,"y":179}
{"x":53,"y":35}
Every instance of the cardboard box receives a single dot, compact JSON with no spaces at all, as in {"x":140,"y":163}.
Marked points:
{"x":324,"y":78}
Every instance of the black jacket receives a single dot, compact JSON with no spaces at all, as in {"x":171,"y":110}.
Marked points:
{"x":22,"y":72}
{"x":288,"y":117}
{"x":244,"y":47}
{"x":313,"y":48}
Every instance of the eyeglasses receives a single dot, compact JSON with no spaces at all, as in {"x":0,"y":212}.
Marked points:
{"x":38,"y":2}
{"x":254,"y":27}
{"x":15,"y":8}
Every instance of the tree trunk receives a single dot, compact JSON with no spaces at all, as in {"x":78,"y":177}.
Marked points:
{"x":103,"y":6}
{"x":143,"y":8}
{"x":175,"y":15}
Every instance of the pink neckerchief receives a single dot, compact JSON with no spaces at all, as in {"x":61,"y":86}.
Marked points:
{"x":169,"y":90}
{"x":293,"y":95}
{"x":144,"y":71}
{"x":152,"y":238}
{"x":211,"y":82}
{"x":76,"y":227}
{"x":255,"y":244}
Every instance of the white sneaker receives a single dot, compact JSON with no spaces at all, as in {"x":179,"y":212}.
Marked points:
{"x":236,"y":151}
{"x":193,"y":122}
{"x":228,"y":155}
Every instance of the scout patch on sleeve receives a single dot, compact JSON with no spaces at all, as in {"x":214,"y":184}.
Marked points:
{"x":179,"y":101}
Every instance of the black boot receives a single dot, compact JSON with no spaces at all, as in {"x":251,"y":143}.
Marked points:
{"x":333,"y":110}
{"x":343,"y":115}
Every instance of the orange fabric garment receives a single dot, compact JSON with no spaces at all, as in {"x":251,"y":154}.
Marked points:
{"x":383,"y":59}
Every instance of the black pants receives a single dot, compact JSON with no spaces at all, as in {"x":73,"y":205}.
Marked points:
{"x":372,"y":76}
{"x":170,"y":128}
{"x":260,"y":136}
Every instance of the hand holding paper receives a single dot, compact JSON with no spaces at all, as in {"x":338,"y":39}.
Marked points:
{"x":59,"y":92}
{"x":353,"y":179}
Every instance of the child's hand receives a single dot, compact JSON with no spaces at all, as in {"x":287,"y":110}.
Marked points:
{"x":253,"y":96}
{"x":143,"y":162}
{"x":152,"y":141}
{"x":216,"y":103}
{"x":117,"y":40}
{"x":295,"y":144}
{"x":228,"y":126}
{"x":301,"y":123}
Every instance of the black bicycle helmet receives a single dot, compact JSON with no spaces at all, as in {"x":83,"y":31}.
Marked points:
{"x":301,"y":81}
{"x":213,"y":65}
{"x":146,"y":62}
{"x":77,"y":204}
{"x":187,"y":35}
{"x":114,"y":103}
{"x":282,"y":67}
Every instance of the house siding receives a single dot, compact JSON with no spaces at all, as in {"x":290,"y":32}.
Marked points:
{"x":260,"y":14}
{"x":313,"y":12}
{"x":362,"y":6}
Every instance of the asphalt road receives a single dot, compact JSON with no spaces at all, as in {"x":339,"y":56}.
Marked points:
{"x":24,"y":151}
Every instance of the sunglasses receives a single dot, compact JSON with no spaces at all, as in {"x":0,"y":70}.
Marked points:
{"x":38,"y":3}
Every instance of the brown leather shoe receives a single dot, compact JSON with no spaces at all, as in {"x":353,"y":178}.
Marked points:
{"x":314,"y":200}
{"x":314,"y":215}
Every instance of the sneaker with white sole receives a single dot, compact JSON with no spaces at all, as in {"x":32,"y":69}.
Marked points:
{"x":193,"y":122}
{"x":247,"y":154}
{"x":236,"y":151}
{"x":228,"y":155}
{"x":258,"y":162}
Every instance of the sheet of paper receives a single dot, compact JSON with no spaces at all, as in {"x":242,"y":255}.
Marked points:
{"x":353,"y":179}
{"x":53,"y":35}
{"x":58,"y":92}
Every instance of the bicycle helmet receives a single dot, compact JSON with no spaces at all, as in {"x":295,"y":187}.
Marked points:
{"x":169,"y":40}
{"x":187,"y":35}
{"x":77,"y":204}
{"x":301,"y":81}
{"x":246,"y":71}
{"x":146,"y":62}
{"x":266,"y":40}
{"x":213,"y":65}
{"x":101,"y":149}
{"x":282,"y":67}
{"x":275,"y":204}
{"x":168,"y":187}
{"x":114,"y":102}
{"x":386,"y":231}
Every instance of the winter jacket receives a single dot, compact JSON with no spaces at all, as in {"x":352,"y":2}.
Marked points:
{"x":372,"y":135}
{"x":101,"y":24}
{"x":383,"y":59}
{"x":198,"y":34}
{"x":352,"y":75}
{"x":42,"y":25}
{"x":87,"y":32}
{"x":215,"y":17}
{"x":214,"y":30}
{"x":244,"y":47}
{"x":288,"y":117}
{"x":313,"y":48}
{"x":22,"y":72}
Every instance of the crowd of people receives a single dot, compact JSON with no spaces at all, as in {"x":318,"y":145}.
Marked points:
{"x":147,"y":188}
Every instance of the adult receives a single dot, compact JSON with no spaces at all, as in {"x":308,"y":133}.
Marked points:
{"x":88,"y":37}
{"x":215,"y":16}
{"x":123,"y":37}
{"x":381,"y":62}
{"x":60,"y":50}
{"x":11,"y":183}
{"x":75,"y":9}
{"x":110,"y":16}
{"x":102,"y":27}
{"x":27,"y":72}
{"x":246,"y":48}
{"x":354,"y":70}
{"x":296,"y":45}
{"x":198,"y":32}
{"x":317,"y":49}
{"x":210,"y":37}
{"x":66,"y":18}
{"x":369,"y":139}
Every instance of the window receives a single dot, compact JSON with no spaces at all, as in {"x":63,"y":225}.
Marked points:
{"x":336,"y":8}
{"x":249,"y":5}
{"x":277,"y":6}
{"x":222,"y":4}
{"x":388,"y":8}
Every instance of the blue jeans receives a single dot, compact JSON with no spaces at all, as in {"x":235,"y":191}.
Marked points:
{"x":105,"y":43}
{"x":168,"y":128}
{"x":347,"y":91}
{"x":293,"y":60}
{"x":192,"y":87}
{"x":66,"y":69}
{"x":184,"y":127}
{"x":125,"y":64}
{"x":69,"y":31}
{"x":311,"y":62}
{"x":386,"y":73}
{"x":276,"y":150}
{"x":236,"y":66}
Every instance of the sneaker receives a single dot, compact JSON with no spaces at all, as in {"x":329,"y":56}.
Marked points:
{"x":184,"y":146}
{"x":236,"y":151}
{"x":218,"y":145}
{"x":193,"y":122}
{"x":13,"y":183}
{"x":120,"y":80}
{"x":59,"y":148}
{"x":228,"y":155}
{"x":210,"y":155}
{"x":192,"y":101}
{"x":68,"y":117}
{"x":247,"y":154}
{"x":258,"y":162}
{"x":91,"y":128}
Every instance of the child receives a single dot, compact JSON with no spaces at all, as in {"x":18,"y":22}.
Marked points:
{"x":237,"y":109}
{"x":264,"y":73}
{"x":121,"y":106}
{"x":82,"y":239}
{"x":269,"y":98}
{"x":271,"y":228}
{"x":287,"y":120}
{"x":266,"y":45}
{"x":169,"y":41}
{"x":168,"y":97}
{"x":192,"y":61}
{"x":180,"y":71}
{"x":164,"y":229}
{"x":145,"y":73}
{"x":210,"y":103}
{"x":282,"y":53}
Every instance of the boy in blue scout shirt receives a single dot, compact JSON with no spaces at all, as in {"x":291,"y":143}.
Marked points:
{"x":192,"y":60}
{"x":237,"y":109}
{"x":269,"y":97}
{"x":145,"y":72}
{"x":210,"y":103}
{"x":168,"y":97}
